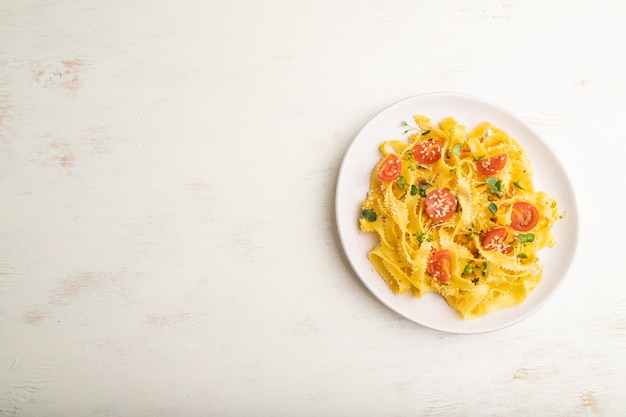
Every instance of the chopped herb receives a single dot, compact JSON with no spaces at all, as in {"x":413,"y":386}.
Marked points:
{"x":486,"y":270}
{"x":456,"y":149}
{"x":453,"y":170}
{"x":495,"y":186}
{"x":468,"y":269}
{"x":522,"y":255}
{"x":422,"y":237}
{"x":471,"y":231}
{"x":493,"y":208}
{"x":370,"y":215}
{"x":414,"y":189}
{"x":517,"y":184}
{"x":401,"y":182}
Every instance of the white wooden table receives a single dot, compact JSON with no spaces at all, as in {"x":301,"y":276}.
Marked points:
{"x":167,"y":175}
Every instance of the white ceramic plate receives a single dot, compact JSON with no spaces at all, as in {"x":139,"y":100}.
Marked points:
{"x":353,"y":184}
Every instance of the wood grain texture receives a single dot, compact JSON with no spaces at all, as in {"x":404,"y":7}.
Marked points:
{"x":167,"y":178}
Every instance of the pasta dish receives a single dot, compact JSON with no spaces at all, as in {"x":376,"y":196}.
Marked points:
{"x":457,"y":213}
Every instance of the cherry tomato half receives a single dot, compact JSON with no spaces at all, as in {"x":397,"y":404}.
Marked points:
{"x":524,"y":216}
{"x":440,"y":265}
{"x":440,"y":204}
{"x":493,"y":165}
{"x":390,"y":169}
{"x":427,"y":152}
{"x":498,"y":239}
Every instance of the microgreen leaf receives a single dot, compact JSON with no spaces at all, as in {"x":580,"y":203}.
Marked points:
{"x":401,"y":182}
{"x":525,"y":237}
{"x":370,"y":215}
{"x":456,"y":149}
{"x":426,"y":132}
{"x":423,"y":190}
{"x":495,"y":186}
{"x":414,"y":189}
{"x":468,"y":269}
{"x":408,"y":126}
{"x":522,"y":255}
{"x":486,"y":270}
{"x":493,"y":208}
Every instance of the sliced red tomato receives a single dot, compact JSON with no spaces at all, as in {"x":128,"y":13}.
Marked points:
{"x":440,"y":204}
{"x":427,"y":152}
{"x":493,"y":165}
{"x":440,"y":265}
{"x":390,"y":169}
{"x":498,"y":239}
{"x":524,"y":216}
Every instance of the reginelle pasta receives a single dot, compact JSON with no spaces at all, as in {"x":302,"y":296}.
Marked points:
{"x":457,"y":213}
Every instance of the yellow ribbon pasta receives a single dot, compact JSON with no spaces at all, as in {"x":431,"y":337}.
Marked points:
{"x":466,"y":196}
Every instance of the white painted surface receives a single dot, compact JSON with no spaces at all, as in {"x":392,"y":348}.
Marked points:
{"x":167,"y":178}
